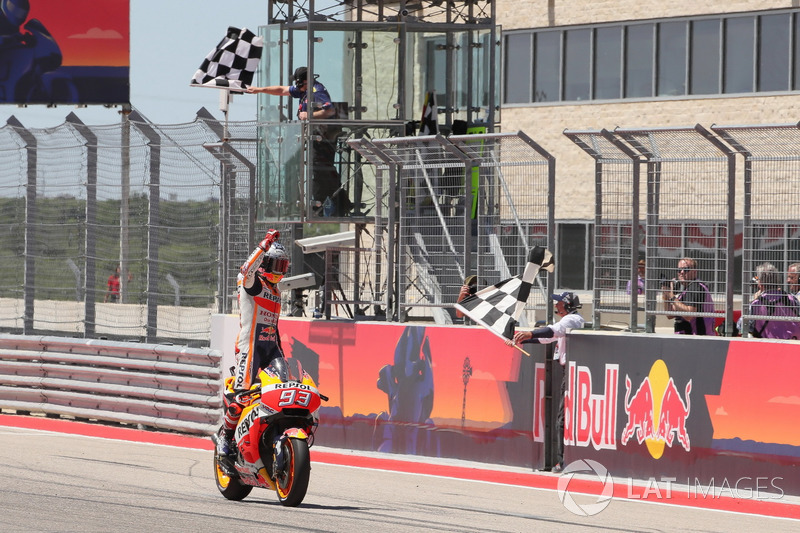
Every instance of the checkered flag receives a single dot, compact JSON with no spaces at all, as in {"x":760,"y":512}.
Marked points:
{"x":232,"y":64}
{"x":498,"y":307}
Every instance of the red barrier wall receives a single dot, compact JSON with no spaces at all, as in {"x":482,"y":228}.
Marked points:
{"x":706,"y":412}
{"x":703,"y":410}
{"x":428,"y":390}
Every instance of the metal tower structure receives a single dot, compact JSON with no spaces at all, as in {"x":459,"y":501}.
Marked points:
{"x":378,"y":59}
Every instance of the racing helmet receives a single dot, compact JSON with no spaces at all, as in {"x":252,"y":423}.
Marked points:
{"x":12,"y":14}
{"x":275,"y":263}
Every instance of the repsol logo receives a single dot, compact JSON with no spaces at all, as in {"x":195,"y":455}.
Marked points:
{"x":244,"y":425}
{"x":291,"y":385}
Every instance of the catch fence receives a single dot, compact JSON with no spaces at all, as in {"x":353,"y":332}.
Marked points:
{"x":697,"y":203}
{"x":177,"y":208}
{"x":171,"y":206}
{"x":770,"y":204}
{"x":466,"y":205}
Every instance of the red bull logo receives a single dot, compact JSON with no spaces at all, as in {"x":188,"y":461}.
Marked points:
{"x":590,"y":416}
{"x":640,"y":412}
{"x":657,"y":399}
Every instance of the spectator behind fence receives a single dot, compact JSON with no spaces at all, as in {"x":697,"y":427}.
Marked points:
{"x":113,"y":283}
{"x":688,"y":295}
{"x":771,"y":300}
{"x":469,"y":287}
{"x":640,"y":279}
{"x":792,"y":279}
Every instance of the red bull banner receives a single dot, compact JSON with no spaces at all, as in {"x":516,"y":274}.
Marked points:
{"x":695,"y":411}
{"x":439,"y":391}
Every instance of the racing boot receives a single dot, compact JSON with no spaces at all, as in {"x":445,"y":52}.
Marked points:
{"x":225,"y":444}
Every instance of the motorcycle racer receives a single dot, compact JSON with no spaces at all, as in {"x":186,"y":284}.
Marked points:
{"x":258,"y":341}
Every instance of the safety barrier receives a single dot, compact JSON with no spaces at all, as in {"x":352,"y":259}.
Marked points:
{"x":153,"y":385}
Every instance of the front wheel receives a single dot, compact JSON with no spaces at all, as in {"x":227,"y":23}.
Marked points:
{"x":291,"y":484}
{"x":229,"y":486}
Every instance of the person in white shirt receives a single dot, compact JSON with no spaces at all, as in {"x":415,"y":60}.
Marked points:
{"x":567,"y":305}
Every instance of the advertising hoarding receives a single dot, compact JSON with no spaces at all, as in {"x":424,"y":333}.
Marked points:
{"x":56,"y":52}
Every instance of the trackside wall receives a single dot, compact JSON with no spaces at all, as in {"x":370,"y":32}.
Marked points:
{"x":715,"y":410}
{"x":704,"y":411}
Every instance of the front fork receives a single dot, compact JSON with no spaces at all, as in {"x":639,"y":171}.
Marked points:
{"x":280,"y":457}
{"x":279,"y":463}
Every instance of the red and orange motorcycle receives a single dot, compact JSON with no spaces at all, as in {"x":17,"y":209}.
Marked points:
{"x":273,"y":436}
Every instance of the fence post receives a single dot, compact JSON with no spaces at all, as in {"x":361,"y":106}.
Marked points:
{"x":153,"y":221}
{"x":730,"y":247}
{"x":90,"y":236}
{"x":378,"y":159}
{"x":650,"y":322}
{"x":29,"y":279}
{"x":124,"y":203}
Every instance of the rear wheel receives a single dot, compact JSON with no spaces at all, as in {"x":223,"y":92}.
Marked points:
{"x":292,"y":483}
{"x":229,"y":486}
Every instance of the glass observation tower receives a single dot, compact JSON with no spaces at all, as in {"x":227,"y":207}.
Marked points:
{"x":378,"y":60}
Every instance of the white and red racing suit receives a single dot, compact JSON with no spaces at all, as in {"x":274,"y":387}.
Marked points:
{"x":258,"y":341}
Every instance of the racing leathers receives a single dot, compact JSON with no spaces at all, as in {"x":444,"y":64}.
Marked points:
{"x":258,"y":341}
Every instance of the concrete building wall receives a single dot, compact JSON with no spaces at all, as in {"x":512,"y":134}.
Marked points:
{"x":517,"y":14}
{"x":545,"y":122}
{"x":575,"y":169}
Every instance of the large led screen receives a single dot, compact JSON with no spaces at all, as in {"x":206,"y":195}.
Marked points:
{"x":64,"y":52}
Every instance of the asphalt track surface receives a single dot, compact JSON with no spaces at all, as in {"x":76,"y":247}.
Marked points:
{"x":65,"y":476}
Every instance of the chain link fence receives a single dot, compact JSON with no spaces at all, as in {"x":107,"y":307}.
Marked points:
{"x":695,"y":203}
{"x":176,"y":209}
{"x":771,"y":203}
{"x":690,"y":192}
{"x":115,"y":230}
{"x":471,"y":204}
{"x":617,"y":231}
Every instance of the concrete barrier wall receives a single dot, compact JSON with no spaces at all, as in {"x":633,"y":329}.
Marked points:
{"x":702,"y":411}
{"x":697,"y":410}
{"x":645,"y":406}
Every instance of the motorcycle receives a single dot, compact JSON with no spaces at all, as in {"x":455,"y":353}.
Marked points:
{"x":273,"y":435}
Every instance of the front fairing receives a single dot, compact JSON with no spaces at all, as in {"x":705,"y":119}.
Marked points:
{"x":279,"y":393}
{"x":252,"y":424}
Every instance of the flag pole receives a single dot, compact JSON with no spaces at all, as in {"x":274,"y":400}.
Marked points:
{"x":518,"y":347}
{"x":224,"y":101}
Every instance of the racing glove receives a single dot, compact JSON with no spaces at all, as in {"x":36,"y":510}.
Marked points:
{"x":271,"y":236}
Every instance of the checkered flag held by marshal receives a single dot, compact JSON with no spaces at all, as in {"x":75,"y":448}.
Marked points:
{"x":498,"y":307}
{"x":232,"y":64}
